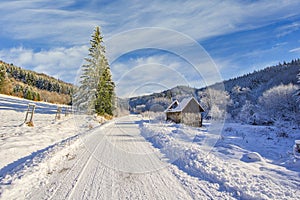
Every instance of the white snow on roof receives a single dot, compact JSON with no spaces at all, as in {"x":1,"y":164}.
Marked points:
{"x":181,"y":105}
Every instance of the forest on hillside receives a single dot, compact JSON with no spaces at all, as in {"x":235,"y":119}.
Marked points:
{"x":267,"y":96}
{"x":30,"y":85}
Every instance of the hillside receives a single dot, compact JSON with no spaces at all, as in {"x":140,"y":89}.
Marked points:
{"x":259,"y":81}
{"x":247,"y":87}
{"x":31,"y":85}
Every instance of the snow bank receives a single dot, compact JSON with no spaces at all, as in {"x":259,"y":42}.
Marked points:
{"x":296,"y":149}
{"x":242,"y":180}
{"x":35,"y":171}
{"x":252,"y":157}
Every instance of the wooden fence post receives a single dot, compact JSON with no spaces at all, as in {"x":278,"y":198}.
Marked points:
{"x":58,"y":112}
{"x":30,"y":110}
{"x":68,"y":110}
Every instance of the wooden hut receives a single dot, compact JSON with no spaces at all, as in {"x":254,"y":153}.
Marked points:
{"x":188,"y":112}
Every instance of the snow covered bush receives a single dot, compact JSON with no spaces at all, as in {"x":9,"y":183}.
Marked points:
{"x":216,"y":113}
{"x":215,"y":103}
{"x":298,"y":92}
{"x":248,"y":113}
{"x":154,"y":116}
{"x":239,"y":96}
{"x":279,"y":104}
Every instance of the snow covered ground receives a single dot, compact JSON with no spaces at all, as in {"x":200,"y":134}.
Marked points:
{"x":18,"y":140}
{"x":22,"y":148}
{"x":248,"y":162}
{"x":133,"y":158}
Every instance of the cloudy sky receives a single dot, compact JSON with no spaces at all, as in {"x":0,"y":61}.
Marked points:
{"x":151,"y":45}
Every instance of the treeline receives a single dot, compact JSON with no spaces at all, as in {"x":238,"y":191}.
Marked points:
{"x":268,"y":77}
{"x":28,"y":84}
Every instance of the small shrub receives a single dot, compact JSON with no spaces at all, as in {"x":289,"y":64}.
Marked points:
{"x":229,"y":129}
{"x":282,"y":134}
{"x":108,"y":117}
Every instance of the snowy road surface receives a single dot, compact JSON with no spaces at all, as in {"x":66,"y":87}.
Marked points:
{"x":116,"y":163}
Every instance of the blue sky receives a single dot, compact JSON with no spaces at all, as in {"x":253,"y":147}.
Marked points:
{"x":233,"y":37}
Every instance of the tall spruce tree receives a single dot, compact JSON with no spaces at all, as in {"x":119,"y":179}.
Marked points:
{"x":105,"y":94}
{"x":96,"y":91}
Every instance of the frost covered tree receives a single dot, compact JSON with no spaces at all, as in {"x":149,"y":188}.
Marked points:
{"x":239,"y":97}
{"x":215,"y":102}
{"x":298,"y":92}
{"x":279,"y":104}
{"x":248,"y":113}
{"x":96,"y":91}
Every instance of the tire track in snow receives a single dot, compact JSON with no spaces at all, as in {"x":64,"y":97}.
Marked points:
{"x":71,"y":173}
{"x":79,"y":178}
{"x":60,"y":185}
{"x":88,"y":174}
{"x":104,"y":170}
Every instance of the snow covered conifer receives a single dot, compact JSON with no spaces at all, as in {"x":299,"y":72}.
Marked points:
{"x":95,"y":80}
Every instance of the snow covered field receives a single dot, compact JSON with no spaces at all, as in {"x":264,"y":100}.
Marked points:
{"x":132,"y":158}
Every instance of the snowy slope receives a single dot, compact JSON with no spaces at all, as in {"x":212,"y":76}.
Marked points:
{"x":18,"y":140}
{"x":22,"y":146}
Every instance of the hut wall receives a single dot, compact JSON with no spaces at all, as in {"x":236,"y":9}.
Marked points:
{"x":191,"y":114}
{"x":174,"y":116}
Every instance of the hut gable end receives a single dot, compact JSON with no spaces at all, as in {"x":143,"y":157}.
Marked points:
{"x":192,"y":107}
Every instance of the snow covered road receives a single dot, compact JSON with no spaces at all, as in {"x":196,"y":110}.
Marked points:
{"x":115,"y":163}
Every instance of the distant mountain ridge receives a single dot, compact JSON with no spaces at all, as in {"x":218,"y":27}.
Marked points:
{"x":271,"y":76}
{"x":252,"y":84}
{"x":33,"y":86}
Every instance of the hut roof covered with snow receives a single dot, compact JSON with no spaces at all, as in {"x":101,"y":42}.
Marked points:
{"x":188,"y":111}
{"x":175,"y":106}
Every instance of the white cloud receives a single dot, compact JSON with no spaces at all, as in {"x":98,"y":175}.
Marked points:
{"x":199,"y":19}
{"x":287,"y":29}
{"x":295,"y":50}
{"x":148,"y":78}
{"x":170,"y":41}
{"x":61,"y":63}
{"x":202,"y":19}
{"x":161,"y":71}
{"x":51,"y":25}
